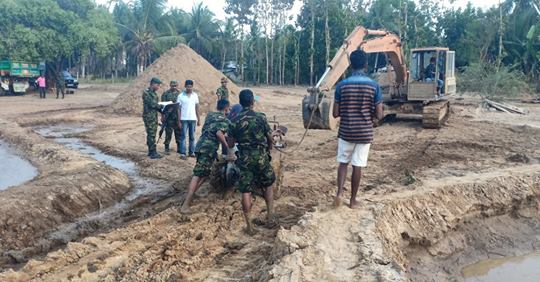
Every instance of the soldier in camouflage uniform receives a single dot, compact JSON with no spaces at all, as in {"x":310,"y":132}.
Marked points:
{"x":213,"y":133}
{"x":171,"y":118}
{"x":252,"y":133}
{"x":151,"y":109}
{"x":223,"y":92}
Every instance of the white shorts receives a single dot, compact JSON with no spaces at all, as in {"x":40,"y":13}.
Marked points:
{"x":356,"y":154}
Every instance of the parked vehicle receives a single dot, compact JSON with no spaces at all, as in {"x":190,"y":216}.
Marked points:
{"x":17,"y":77}
{"x":69,"y":80}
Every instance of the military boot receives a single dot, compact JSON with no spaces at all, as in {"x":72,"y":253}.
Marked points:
{"x":154,"y":154}
{"x":167,"y":150}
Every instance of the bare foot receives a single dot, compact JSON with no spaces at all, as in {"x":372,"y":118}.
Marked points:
{"x":354,"y":204}
{"x":337,"y":202}
{"x":271,"y":221}
{"x":250,"y":231}
{"x":185,"y":209}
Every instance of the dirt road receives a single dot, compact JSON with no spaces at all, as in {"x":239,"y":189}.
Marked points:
{"x":434,"y":200}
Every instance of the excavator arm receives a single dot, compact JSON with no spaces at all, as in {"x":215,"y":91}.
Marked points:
{"x":316,"y":107}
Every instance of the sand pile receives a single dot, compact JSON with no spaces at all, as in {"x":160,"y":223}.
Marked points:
{"x":179,"y":63}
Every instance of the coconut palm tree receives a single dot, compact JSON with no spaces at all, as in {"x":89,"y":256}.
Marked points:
{"x":202,"y":31}
{"x":148,"y":30}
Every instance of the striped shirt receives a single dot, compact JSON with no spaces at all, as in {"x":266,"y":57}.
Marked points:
{"x":357,"y":96}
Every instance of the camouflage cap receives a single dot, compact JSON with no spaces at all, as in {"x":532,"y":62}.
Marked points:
{"x":174,"y":83}
{"x":155,"y":80}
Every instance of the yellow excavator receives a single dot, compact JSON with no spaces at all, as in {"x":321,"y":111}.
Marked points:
{"x":407,"y":92}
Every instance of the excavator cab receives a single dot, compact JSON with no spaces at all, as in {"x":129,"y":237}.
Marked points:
{"x":431,"y":74}
{"x":419,"y":90}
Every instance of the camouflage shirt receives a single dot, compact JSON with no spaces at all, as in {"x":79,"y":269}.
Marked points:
{"x":249,"y":129}
{"x":150,"y":103}
{"x":223,"y":93}
{"x":171,"y":96}
{"x":209,"y":142}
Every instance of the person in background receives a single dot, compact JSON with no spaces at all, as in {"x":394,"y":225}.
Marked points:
{"x":222,"y":92}
{"x":357,"y":102}
{"x":42,"y":86}
{"x":151,"y":109}
{"x":429,"y":74}
{"x":189,"y":115}
{"x":171,"y":118}
{"x":59,"y":86}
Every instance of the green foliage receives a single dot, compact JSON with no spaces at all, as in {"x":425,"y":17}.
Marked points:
{"x":261,"y":35}
{"x":55,"y":31}
{"x":491,"y":81}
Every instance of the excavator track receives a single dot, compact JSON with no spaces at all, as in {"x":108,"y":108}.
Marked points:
{"x":435,"y":114}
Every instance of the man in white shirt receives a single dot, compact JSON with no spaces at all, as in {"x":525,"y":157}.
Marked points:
{"x":189,"y":118}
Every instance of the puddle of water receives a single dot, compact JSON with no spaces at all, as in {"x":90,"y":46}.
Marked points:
{"x":523,"y":269}
{"x":143,"y":187}
{"x":14,"y":169}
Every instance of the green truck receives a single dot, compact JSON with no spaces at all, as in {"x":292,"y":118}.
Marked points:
{"x":16,"y":77}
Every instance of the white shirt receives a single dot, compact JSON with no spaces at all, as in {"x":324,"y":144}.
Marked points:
{"x":188,"y":105}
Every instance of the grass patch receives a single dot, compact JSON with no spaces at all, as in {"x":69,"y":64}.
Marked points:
{"x":491,"y":82}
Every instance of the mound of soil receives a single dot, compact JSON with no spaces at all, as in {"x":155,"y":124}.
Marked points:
{"x":179,"y":63}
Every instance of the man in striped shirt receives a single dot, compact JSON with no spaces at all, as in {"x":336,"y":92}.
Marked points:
{"x":357,"y":102}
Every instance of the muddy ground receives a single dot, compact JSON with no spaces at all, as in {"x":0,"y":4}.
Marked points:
{"x":433,"y":200}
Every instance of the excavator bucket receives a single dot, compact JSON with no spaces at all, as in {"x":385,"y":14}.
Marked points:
{"x":317,"y":113}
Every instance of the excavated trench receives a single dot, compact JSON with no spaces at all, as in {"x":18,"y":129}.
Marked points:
{"x":14,"y":169}
{"x":428,"y":234}
{"x":145,"y":190}
{"x":522,"y":268}
{"x":68,"y":216}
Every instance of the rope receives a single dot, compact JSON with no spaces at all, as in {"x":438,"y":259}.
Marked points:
{"x":303,"y":136}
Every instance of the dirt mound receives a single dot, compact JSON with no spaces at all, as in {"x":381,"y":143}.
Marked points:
{"x":179,"y":63}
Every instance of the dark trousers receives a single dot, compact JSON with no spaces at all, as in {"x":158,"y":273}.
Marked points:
{"x":42,"y":91}
{"x":172,"y":126}
{"x":58,"y":90}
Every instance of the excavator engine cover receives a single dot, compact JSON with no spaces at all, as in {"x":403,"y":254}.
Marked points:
{"x":317,"y":115}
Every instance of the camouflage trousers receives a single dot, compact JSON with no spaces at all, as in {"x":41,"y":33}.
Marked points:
{"x":204,"y":164}
{"x":172,"y":126}
{"x":256,"y":172}
{"x":150,"y":124}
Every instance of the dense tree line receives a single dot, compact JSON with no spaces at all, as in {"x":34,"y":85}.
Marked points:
{"x":274,"y":47}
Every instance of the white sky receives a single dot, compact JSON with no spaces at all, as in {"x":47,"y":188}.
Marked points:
{"x":216,"y":6}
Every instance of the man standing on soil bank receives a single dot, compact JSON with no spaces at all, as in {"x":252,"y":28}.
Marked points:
{"x":189,"y":118}
{"x":151,"y":109}
{"x":222,"y":92}
{"x":251,"y":131}
{"x":171,"y":118}
{"x":357,"y":101}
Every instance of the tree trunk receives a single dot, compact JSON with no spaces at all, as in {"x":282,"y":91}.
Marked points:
{"x":272,"y":60}
{"x":224,"y":54}
{"x":312,"y":45}
{"x":84,"y":68}
{"x":241,"y":65}
{"x":267,"y":61}
{"x":296,"y":61}
{"x":280,"y":68}
{"x":284,"y":62}
{"x":327,"y":36}
{"x":501,"y":30}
